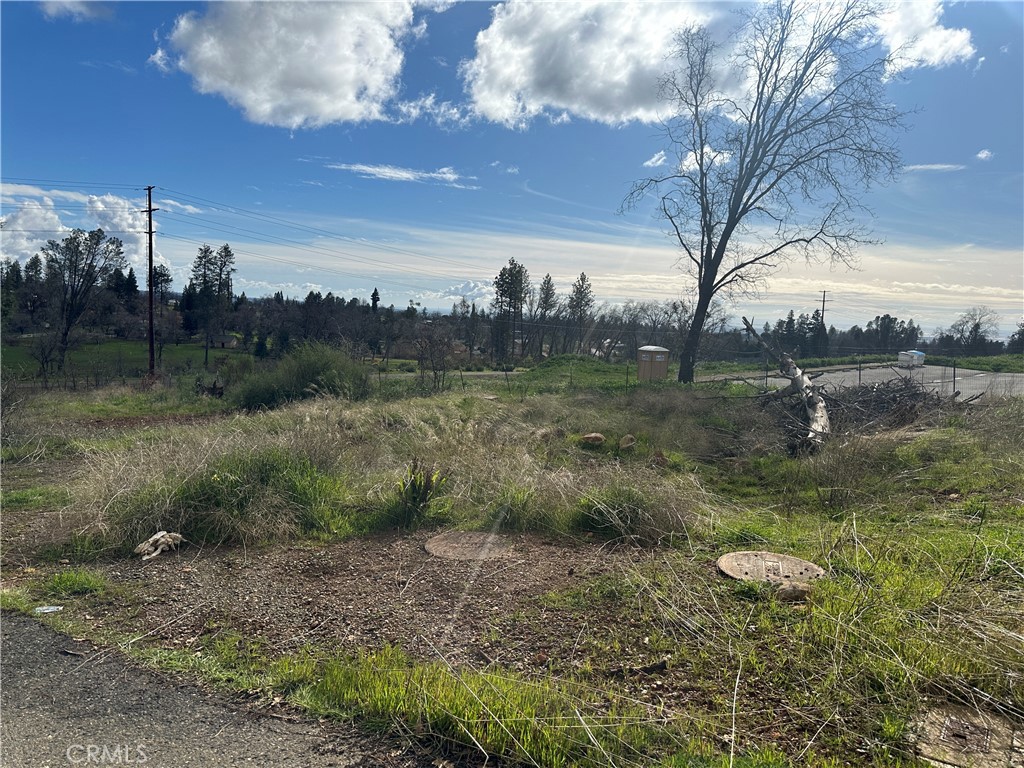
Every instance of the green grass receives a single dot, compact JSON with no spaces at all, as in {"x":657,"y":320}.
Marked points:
{"x":921,"y":532}
{"x":17,"y":600}
{"x":40,"y":497}
{"x":75,"y":581}
{"x":116,"y":358}
{"x":994,"y":363}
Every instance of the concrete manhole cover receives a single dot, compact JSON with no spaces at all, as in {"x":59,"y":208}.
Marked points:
{"x":768,"y":566}
{"x":467,"y":545}
{"x":959,"y":736}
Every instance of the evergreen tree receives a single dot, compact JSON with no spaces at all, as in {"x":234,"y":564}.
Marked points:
{"x":579,"y":306}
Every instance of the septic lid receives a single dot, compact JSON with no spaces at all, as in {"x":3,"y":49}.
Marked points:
{"x":960,"y":736}
{"x":768,"y":566}
{"x":467,"y":545}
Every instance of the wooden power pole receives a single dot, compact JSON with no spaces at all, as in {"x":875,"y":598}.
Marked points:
{"x":152,"y":338}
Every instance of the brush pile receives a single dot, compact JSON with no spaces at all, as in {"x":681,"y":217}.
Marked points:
{"x":883,"y":405}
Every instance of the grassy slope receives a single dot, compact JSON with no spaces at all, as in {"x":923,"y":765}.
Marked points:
{"x":923,"y":534}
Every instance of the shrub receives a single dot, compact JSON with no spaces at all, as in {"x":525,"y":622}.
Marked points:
{"x":310,"y":370}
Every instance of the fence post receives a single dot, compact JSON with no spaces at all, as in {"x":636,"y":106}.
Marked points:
{"x":954,"y":376}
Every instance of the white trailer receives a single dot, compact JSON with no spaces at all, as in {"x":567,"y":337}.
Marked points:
{"x":911,"y":359}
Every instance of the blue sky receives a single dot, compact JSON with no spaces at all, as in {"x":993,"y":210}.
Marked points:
{"x":416,"y":147}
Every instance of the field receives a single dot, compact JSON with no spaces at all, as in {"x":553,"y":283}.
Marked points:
{"x":605,"y":635}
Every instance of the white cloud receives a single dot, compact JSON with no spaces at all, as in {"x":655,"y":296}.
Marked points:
{"x":183,"y":207}
{"x":160,"y":60}
{"x":711,"y":157}
{"x":656,"y":161}
{"x":38,"y":217}
{"x":77,"y":10}
{"x":28,"y":227}
{"x":938,"y":167}
{"x":600,"y":61}
{"x":443,"y":114}
{"x":912,"y":28}
{"x":296,"y":64}
{"x":447,"y":176}
{"x":985,"y":154}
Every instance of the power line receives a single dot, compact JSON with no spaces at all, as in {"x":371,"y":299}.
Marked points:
{"x":227,"y":208}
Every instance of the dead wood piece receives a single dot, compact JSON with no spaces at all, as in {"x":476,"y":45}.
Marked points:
{"x":800,"y":384}
{"x":157,"y":543}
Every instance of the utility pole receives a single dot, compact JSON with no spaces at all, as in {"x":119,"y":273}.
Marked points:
{"x":823,"y":351}
{"x":152,"y":338}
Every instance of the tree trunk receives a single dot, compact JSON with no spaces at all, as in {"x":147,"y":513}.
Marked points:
{"x":814,"y":404}
{"x":688,"y":356}
{"x":799,"y":384}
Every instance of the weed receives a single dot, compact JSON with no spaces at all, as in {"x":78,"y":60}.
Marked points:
{"x":414,"y":493}
{"x":17,"y":600}
{"x":75,"y":581}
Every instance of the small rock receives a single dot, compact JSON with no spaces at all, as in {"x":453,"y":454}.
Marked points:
{"x":627,"y":442}
{"x":593,"y":438}
{"x":795,"y":592}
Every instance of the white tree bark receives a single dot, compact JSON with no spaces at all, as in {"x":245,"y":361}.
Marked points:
{"x":800,"y":384}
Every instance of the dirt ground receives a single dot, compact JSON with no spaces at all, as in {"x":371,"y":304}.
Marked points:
{"x":361,"y":593}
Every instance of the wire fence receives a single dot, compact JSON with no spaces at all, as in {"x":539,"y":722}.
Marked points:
{"x":945,"y":380}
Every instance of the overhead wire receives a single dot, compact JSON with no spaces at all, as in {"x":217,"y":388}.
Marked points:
{"x":184,"y":216}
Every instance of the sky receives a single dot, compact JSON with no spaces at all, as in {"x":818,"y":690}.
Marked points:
{"x":416,"y":147}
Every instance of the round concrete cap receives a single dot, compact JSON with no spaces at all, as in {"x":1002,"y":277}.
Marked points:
{"x":768,"y":566}
{"x":955,"y":735}
{"x":467,"y":545}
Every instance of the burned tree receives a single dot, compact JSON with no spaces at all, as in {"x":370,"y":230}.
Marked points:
{"x":768,"y":145}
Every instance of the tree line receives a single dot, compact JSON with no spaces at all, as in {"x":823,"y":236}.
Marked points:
{"x":82,"y":287}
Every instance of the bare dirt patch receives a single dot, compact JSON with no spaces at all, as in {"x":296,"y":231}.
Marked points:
{"x":363,"y":593}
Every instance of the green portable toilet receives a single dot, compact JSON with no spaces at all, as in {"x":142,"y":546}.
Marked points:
{"x":651,"y":363}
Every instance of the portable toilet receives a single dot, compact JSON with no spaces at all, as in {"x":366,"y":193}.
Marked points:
{"x":651,"y":363}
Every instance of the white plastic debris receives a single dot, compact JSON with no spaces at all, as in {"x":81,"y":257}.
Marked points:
{"x":158,"y":543}
{"x":49,"y":609}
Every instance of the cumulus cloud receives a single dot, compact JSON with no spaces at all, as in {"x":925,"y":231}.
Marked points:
{"x":600,"y":61}
{"x":471,"y":290}
{"x":447,"y":176}
{"x":308,"y":65}
{"x":296,"y":64}
{"x":38,"y":217}
{"x":985,"y":154}
{"x":914,"y":31}
{"x":26,"y":229}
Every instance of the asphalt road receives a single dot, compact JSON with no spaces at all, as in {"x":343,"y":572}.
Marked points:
{"x":941,"y":379}
{"x":67,"y":703}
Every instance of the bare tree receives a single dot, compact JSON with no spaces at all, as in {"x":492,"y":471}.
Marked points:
{"x":770,"y":144}
{"x":971,"y":330}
